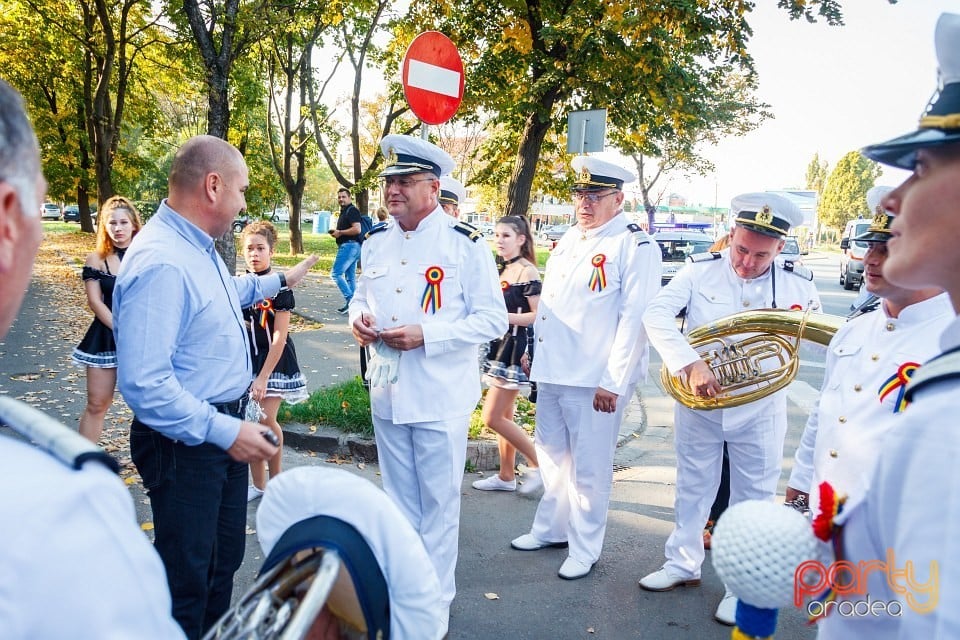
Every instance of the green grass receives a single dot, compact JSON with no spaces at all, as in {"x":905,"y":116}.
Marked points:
{"x":321,"y":244}
{"x":346,"y":407}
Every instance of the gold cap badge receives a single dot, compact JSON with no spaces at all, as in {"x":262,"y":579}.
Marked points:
{"x":392,"y":157}
{"x":879,"y":220}
{"x":764,"y":216}
{"x":585,"y":175}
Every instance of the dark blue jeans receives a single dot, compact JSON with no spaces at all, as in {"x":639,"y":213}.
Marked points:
{"x":199,"y":501}
{"x":344,"y":269}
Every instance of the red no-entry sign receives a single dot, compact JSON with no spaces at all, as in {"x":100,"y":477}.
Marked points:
{"x":432,"y":76}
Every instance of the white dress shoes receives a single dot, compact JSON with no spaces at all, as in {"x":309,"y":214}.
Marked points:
{"x":527,"y":542}
{"x":727,"y":610}
{"x":663,"y":580}
{"x":571,"y":569}
{"x":494,"y":483}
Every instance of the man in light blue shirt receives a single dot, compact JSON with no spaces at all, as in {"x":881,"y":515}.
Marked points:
{"x":184,"y":368}
{"x":73,"y":562}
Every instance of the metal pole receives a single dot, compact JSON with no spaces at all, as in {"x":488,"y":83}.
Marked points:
{"x":424,"y":130}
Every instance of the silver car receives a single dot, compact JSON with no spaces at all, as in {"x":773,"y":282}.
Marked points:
{"x":791,"y":251}
{"x":50,"y":211}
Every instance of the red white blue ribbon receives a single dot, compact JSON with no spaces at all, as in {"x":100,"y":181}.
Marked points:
{"x":266,"y":310}
{"x":430,"y":301}
{"x":898,"y":382}
{"x":598,"y":279}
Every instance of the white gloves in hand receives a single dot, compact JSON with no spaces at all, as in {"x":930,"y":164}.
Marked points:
{"x":384,"y":364}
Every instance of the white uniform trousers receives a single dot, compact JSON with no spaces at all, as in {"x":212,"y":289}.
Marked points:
{"x":756,"y":456}
{"x":422,"y":469}
{"x":575,"y":447}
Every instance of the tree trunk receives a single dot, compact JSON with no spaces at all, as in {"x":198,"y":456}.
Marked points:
{"x":217,"y":64}
{"x":518,"y":189}
{"x":218,"y":102}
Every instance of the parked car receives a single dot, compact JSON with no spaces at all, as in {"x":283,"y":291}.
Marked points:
{"x":240,"y":222}
{"x":486,"y":228}
{"x":50,"y":211}
{"x":851,"y":260}
{"x":71,"y":213}
{"x":675,"y":246}
{"x":282,"y":214}
{"x":556,"y":232}
{"x":791,"y":251}
{"x":542,"y":233}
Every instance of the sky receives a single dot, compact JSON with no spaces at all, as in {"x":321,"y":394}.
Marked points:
{"x":831,"y":90}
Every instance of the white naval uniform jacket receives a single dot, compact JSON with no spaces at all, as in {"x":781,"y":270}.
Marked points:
{"x":441,"y":379}
{"x":841,"y":440}
{"x":911,"y":514}
{"x":593,"y":336}
{"x":710,"y":290}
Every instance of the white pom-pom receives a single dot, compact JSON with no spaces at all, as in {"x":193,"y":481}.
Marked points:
{"x":756,"y":548}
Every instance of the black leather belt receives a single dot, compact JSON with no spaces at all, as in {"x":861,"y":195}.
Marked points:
{"x":233,"y":408}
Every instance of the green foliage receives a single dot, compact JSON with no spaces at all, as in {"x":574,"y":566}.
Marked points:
{"x":534,"y":62}
{"x":345,"y":406}
{"x":845,"y":193}
{"x":817,"y":172}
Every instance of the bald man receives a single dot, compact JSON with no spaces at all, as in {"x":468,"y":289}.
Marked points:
{"x":184,"y":368}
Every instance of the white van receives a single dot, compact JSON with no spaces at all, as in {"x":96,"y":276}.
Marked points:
{"x":851,"y":260}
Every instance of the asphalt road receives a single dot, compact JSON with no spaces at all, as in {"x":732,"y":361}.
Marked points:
{"x":532,"y":601}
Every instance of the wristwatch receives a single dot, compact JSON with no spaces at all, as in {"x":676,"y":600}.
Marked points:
{"x":283,"y":280}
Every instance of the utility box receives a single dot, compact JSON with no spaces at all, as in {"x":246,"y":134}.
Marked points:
{"x":321,"y":221}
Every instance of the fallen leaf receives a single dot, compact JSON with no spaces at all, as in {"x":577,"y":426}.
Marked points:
{"x":590,"y":630}
{"x":147,"y":526}
{"x":491,"y":596}
{"x":360,"y":465}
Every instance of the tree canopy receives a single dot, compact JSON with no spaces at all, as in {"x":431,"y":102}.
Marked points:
{"x":662,"y":69}
{"x":845,"y":192}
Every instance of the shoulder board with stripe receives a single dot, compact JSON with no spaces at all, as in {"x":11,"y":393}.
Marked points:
{"x":944,"y":367}
{"x":706,"y":256}
{"x":468,"y":230}
{"x":641,"y":236}
{"x":377,"y":228}
{"x":797,"y":270}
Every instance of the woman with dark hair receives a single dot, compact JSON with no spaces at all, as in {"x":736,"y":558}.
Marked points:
{"x":118,"y":222}
{"x":509,"y":356}
{"x":276,"y":371}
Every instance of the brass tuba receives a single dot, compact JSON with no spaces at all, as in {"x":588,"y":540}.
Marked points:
{"x":752,"y":354}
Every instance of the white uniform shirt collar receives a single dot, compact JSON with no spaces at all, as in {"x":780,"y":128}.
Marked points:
{"x":595,"y":231}
{"x":434,"y":217}
{"x":921,"y":311}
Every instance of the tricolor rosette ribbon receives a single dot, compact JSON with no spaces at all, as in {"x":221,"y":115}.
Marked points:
{"x":598,"y":279}
{"x":430,"y":301}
